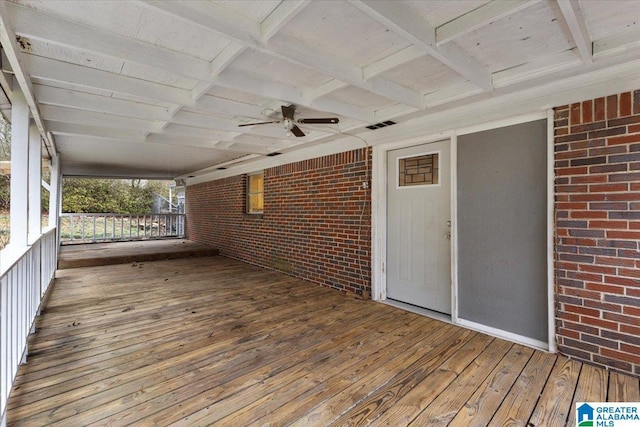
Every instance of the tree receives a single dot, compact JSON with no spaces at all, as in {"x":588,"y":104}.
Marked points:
{"x":86,"y":195}
{"x":5,"y":154}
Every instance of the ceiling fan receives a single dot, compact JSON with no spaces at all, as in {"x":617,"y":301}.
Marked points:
{"x":290,"y":123}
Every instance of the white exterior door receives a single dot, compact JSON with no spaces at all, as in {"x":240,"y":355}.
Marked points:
{"x":419,"y":226}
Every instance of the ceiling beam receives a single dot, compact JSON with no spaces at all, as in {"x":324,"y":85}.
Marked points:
{"x":234,"y":27}
{"x":297,"y":51}
{"x":403,"y":56}
{"x":477,"y":18}
{"x":66,"y":128}
{"x":83,"y":117}
{"x":281,"y":16}
{"x":10,"y":46}
{"x":30,"y":23}
{"x":101,"y":104}
{"x":232,"y":51}
{"x":149,"y":92}
{"x":617,"y":43}
{"x":577,"y":26}
{"x":76,"y":109}
{"x":324,"y":89}
{"x":52,"y":70}
{"x":423,"y":35}
{"x":242,"y":81}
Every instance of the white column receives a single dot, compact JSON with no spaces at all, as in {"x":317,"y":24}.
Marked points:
{"x":35,"y":183}
{"x":19,"y":167}
{"x":54,"y":211}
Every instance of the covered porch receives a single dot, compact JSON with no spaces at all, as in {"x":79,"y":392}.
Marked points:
{"x":211,"y":340}
{"x":287,"y":123}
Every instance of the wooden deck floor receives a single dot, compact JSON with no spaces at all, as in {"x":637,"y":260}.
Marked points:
{"x":204,"y":341}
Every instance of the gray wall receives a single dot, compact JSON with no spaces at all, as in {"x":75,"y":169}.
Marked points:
{"x":502,"y":222}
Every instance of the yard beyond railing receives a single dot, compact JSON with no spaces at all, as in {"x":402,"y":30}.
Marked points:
{"x":92,"y":227}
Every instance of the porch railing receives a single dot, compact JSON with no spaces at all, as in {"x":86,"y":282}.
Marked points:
{"x":97,"y":227}
{"x":25,"y":279}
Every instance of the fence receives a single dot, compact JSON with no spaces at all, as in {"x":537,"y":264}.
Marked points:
{"x":22,"y":286}
{"x":90,"y":227}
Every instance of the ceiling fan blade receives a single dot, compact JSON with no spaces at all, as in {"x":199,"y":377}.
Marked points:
{"x":287,"y":112}
{"x":319,"y":121}
{"x":259,"y":123}
{"x":296,"y":131}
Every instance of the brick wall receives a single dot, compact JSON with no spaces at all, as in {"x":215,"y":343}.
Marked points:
{"x":597,"y":165}
{"x":316,"y":222}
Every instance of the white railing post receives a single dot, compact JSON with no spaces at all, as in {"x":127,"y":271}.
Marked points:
{"x":54,"y":185}
{"x":19,"y":211}
{"x":35,"y":184}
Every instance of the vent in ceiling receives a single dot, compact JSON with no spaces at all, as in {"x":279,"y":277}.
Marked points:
{"x":381,"y":125}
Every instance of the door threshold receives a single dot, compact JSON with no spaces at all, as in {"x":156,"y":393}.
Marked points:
{"x":418,"y":310}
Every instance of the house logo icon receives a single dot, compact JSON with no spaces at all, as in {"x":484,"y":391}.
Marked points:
{"x":585,"y":415}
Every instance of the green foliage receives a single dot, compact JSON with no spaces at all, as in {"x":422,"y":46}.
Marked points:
{"x":82,"y":195}
{"x":5,"y":154}
{"x":5,"y":139}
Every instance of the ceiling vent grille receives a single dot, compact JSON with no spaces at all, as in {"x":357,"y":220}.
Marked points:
{"x":381,"y":125}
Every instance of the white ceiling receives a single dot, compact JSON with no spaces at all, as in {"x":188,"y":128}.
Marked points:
{"x":158,"y":88}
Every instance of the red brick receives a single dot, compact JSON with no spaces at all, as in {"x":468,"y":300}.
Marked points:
{"x":604,"y":288}
{"x":628,"y":272}
{"x":588,"y":214}
{"x":625,"y":104}
{"x":608,"y":224}
{"x":571,"y":205}
{"x":589,"y":179}
{"x":614,"y":261}
{"x":597,"y":269}
{"x":631,"y":311}
{"x":587,"y":111}
{"x":612,"y":107}
{"x":600,"y":323}
{"x":615,"y":234}
{"x":620,"y":355}
{"x":621,"y":318}
{"x":628,"y":329}
{"x":622,"y":281}
{"x":581,"y":310}
{"x":569,"y":333}
{"x":572,"y":154}
{"x":571,"y":171}
{"x":626,"y":196}
{"x":599,"y":107}
{"x":626,"y":139}
{"x":589,"y":197}
{"x":574,"y":117}
{"x":608,"y":188}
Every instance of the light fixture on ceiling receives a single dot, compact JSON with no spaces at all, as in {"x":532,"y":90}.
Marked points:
{"x":290,"y":125}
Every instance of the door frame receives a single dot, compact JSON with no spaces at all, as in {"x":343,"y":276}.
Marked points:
{"x":379,"y":220}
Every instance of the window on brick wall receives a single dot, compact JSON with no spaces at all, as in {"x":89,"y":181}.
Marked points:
{"x":255,"y":192}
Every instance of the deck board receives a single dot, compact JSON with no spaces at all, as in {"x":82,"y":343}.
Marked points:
{"x":202,"y":341}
